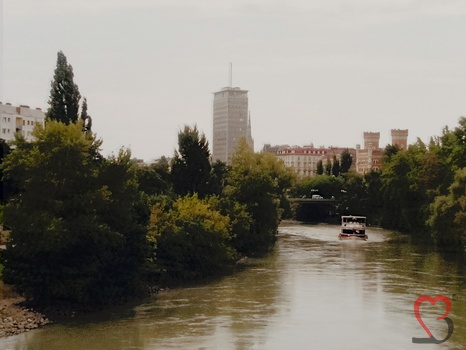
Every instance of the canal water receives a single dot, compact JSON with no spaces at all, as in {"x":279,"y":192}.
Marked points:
{"x":312,"y":292}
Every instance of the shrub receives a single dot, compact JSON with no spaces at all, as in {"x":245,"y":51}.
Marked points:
{"x":191,"y":240}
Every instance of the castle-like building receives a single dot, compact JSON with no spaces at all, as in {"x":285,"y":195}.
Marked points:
{"x":370,"y":157}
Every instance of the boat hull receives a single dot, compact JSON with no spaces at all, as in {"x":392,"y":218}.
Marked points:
{"x":342,"y":236}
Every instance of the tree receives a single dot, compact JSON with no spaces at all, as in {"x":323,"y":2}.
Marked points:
{"x":191,"y":239}
{"x":335,"y":166}
{"x":191,"y":164}
{"x":64,"y":94}
{"x":6,"y":189}
{"x":448,"y":215}
{"x":346,"y":161}
{"x":77,"y":223}
{"x":259,"y":181}
{"x":320,"y":168}
{"x":86,"y":118}
{"x":328,"y":167}
{"x":218,"y":177}
{"x":155,"y":179}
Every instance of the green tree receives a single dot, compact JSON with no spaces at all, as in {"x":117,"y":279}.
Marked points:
{"x":155,"y":179}
{"x":346,"y":161}
{"x":259,"y":181}
{"x":77,"y":227}
{"x":328,"y":167}
{"x":64,"y":94}
{"x":191,"y":164}
{"x":6,"y":186}
{"x":448,"y":215}
{"x":353,"y":195}
{"x":320,"y":168}
{"x":405,"y":202}
{"x":335,"y":166}
{"x":86,"y":118}
{"x":218,"y":177}
{"x":191,"y":239}
{"x":325,"y":185}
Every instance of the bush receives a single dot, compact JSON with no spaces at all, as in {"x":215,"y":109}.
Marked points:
{"x":191,"y":240}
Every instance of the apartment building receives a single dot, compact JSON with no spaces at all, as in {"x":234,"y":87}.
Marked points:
{"x":18,"y":119}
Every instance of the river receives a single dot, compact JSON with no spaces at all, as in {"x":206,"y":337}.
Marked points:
{"x":312,"y":292}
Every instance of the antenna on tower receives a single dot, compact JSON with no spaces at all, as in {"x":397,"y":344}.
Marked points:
{"x":230,"y":81}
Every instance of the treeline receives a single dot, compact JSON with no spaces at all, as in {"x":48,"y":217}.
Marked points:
{"x":420,"y":191}
{"x":88,"y":229}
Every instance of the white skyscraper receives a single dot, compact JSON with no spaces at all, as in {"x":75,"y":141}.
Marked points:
{"x":231,"y":122}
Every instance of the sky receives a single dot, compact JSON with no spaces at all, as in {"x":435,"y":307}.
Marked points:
{"x":317,"y":71}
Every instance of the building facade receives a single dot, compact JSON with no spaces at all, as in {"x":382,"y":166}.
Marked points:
{"x":370,"y":157}
{"x":231,"y":122}
{"x":20,"y":119}
{"x":400,"y":138}
{"x":303,"y":160}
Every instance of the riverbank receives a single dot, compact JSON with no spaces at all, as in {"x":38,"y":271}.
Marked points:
{"x":15,"y":318}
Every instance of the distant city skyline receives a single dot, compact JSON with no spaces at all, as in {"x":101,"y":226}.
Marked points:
{"x":317,"y":72}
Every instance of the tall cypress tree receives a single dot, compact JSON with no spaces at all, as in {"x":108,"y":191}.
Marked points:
{"x":86,"y":118}
{"x":64,"y":94}
{"x":346,"y":161}
{"x":335,"y":166}
{"x":320,"y":167}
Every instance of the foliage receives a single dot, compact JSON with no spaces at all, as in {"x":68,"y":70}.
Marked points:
{"x":320,"y":167}
{"x":258,"y":181}
{"x":346,"y":161}
{"x":218,"y":177}
{"x":77,"y":227}
{"x":190,"y":240}
{"x":86,"y":118}
{"x":335,"y":166}
{"x":328,"y":167}
{"x":1,"y":263}
{"x":191,"y":164}
{"x":64,"y":94}
{"x":155,"y":179}
{"x":240,"y":222}
{"x":448,"y":214}
{"x":423,"y":187}
{"x":6,"y":187}
{"x":324,"y":185}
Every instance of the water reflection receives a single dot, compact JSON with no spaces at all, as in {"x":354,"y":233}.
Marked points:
{"x":313,"y":291}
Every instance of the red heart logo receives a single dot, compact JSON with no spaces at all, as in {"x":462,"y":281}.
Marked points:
{"x":433,"y":301}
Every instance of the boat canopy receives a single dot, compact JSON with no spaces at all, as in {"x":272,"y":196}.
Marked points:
{"x":353,"y":219}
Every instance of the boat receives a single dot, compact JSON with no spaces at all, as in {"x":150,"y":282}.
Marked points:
{"x":353,"y":227}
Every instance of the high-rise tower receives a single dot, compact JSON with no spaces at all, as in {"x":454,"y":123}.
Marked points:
{"x":231,"y":122}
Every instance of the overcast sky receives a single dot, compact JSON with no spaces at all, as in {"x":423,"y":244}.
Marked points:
{"x":320,"y":71}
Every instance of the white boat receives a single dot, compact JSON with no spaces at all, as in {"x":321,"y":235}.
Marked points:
{"x":353,"y":227}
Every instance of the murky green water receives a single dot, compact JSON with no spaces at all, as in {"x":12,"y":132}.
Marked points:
{"x":312,"y":292}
